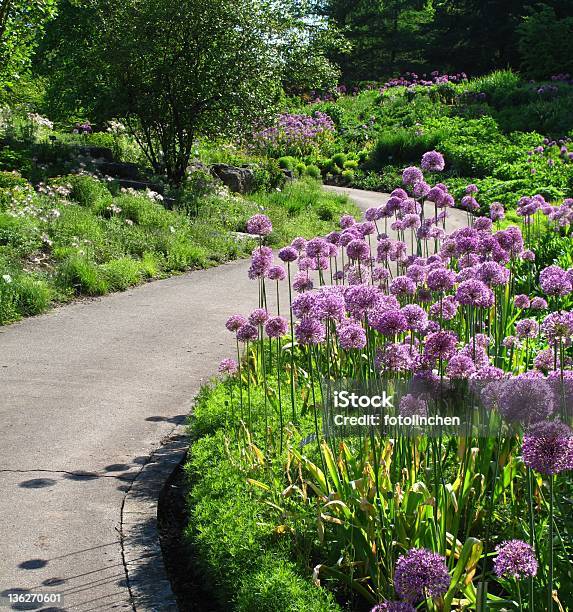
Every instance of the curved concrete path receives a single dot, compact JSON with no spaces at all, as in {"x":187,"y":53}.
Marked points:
{"x":90,"y":397}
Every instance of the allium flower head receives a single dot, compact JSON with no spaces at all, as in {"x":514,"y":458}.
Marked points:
{"x":440,"y":345}
{"x":388,"y":323}
{"x":235,"y":321}
{"x":258,"y":316}
{"x":432,"y":161}
{"x":526,"y":400}
{"x":276,"y":327}
{"x":288,"y":254}
{"x":393,"y":606}
{"x":441,"y":279}
{"x":304,"y":305}
{"x":515,"y":559}
{"x":259,"y":225}
{"x":419,"y":574}
{"x":416,"y":317}
{"x":351,"y":336}
{"x":358,"y":249}
{"x":302,"y":282}
{"x":228,"y":366}
{"x":247,"y":333}
{"x":538,"y":303}
{"x":277,"y":273}
{"x":548,"y":448}
{"x":473,"y":292}
{"x":402,"y":285}
{"x":558,"y":326}
{"x":555,"y":281}
{"x":460,"y":366}
{"x":522,"y":301}
{"x":310,"y":331}
{"x":412,"y":175}
{"x":526,"y":328}
{"x":496,"y":211}
{"x":347,"y":221}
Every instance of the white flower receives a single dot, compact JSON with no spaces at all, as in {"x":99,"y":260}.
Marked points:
{"x":171,"y":229}
{"x":7,"y":278}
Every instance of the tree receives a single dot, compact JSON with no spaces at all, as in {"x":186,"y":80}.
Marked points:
{"x":173,"y":71}
{"x":21,"y":23}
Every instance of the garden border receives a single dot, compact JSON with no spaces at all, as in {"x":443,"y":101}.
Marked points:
{"x":146,"y":576}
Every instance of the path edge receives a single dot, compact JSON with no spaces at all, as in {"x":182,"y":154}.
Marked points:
{"x":147,"y":579}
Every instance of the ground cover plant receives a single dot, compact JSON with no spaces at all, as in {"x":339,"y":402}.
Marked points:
{"x":395,"y":518}
{"x":79,"y":236}
{"x":510,"y":136}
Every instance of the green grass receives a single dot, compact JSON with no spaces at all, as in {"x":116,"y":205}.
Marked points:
{"x":90,"y":242}
{"x":246,"y":563}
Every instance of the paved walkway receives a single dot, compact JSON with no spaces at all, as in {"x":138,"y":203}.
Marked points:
{"x":87,"y":394}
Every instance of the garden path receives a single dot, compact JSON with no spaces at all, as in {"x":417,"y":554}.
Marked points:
{"x":88,"y":394}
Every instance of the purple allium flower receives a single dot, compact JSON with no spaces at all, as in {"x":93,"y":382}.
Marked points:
{"x":411,"y":405}
{"x":526,"y":400}
{"x":440,"y":345}
{"x":411,"y":221}
{"x":276,"y":327}
{"x":259,"y":225}
{"x":416,"y":272}
{"x":258,"y":316}
{"x":235,"y":321}
{"x":460,"y":366}
{"x":347,"y":221}
{"x":228,"y":366}
{"x":545,"y":360}
{"x":496,"y":211}
{"x":388,"y":323}
{"x":358,"y":249}
{"x":351,"y":336}
{"x":409,"y":206}
{"x":420,"y":189}
{"x":482,"y":224}
{"x":510,"y":342}
{"x":447,"y":309}
{"x":526,"y":328}
{"x":361,"y":298}
{"x":548,"y":448}
{"x":538,"y":303}
{"x":469,"y":203}
{"x":558,"y":326}
{"x":304,"y":305}
{"x":488,"y":372}
{"x":420,"y":574}
{"x":298,"y":243}
{"x":310,"y":331}
{"x":441,"y":279}
{"x":277,"y":273}
{"x":515,"y":559}
{"x":302,"y":282}
{"x":261,"y":261}
{"x":528,"y":255}
{"x":247,"y":333}
{"x":412,"y":175}
{"x":522,"y":301}
{"x":493,"y":274}
{"x":394,"y":357}
{"x":399,"y":193}
{"x":436,"y":194}
{"x":416,"y":317}
{"x":432,"y":161}
{"x":380,"y":274}
{"x":317,"y":247}
{"x":366,"y":228}
{"x":471,"y":188}
{"x":473,"y":292}
{"x":330,"y":305}
{"x":288,"y":254}
{"x":393,"y":606}
{"x":555,"y":281}
{"x":402,"y":285}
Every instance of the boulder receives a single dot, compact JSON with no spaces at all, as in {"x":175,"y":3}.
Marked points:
{"x":118,"y":169}
{"x":97,"y":153}
{"x":238,"y":180}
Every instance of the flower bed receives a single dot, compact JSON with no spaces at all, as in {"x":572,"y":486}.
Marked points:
{"x":395,"y":517}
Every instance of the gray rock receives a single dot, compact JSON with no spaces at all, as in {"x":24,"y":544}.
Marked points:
{"x":118,"y":169}
{"x":97,"y":153}
{"x":238,"y":180}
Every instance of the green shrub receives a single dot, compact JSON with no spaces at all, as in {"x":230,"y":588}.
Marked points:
{"x":313,"y":171}
{"x":348,"y":175}
{"x":88,"y":191}
{"x":144,"y":211}
{"x":350,"y":164}
{"x":32,"y":295}
{"x":339,"y":159}
{"x":20,"y":234}
{"x":183,"y":255}
{"x":121,"y":273}
{"x":287,"y":162}
{"x":151,"y":265}
{"x":82,"y":275}
{"x":300,"y":169}
{"x":277,"y":586}
{"x":9,"y":180}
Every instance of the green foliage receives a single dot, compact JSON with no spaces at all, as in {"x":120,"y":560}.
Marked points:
{"x":167,"y":100}
{"x":121,"y":273}
{"x":87,"y":191}
{"x":82,"y":275}
{"x":287,"y":162}
{"x":541,"y":37}
{"x":313,"y":171}
{"x":21,"y":24}
{"x":32,"y":295}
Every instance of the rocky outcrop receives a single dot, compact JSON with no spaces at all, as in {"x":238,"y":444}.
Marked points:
{"x":238,"y":180}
